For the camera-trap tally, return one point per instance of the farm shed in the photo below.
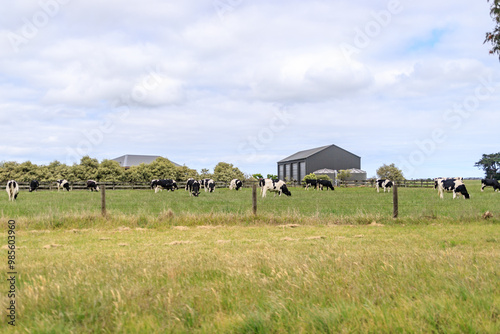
(129, 160)
(298, 165)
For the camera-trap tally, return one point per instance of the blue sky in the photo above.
(250, 82)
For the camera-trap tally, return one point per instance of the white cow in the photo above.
(235, 184)
(62, 184)
(276, 186)
(12, 189)
(383, 183)
(452, 184)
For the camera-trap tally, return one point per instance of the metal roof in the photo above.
(325, 171)
(129, 160)
(304, 154)
(307, 153)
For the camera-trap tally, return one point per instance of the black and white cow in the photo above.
(490, 183)
(154, 183)
(384, 183)
(92, 185)
(262, 182)
(209, 185)
(235, 184)
(168, 184)
(437, 180)
(452, 184)
(189, 184)
(12, 189)
(311, 183)
(276, 186)
(325, 183)
(195, 188)
(64, 184)
(203, 182)
(34, 184)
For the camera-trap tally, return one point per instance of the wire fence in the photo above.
(117, 185)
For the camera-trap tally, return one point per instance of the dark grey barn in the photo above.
(298, 165)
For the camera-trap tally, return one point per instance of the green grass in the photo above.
(260, 279)
(171, 263)
(144, 208)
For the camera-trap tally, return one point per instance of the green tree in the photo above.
(493, 37)
(58, 171)
(110, 170)
(205, 174)
(272, 176)
(86, 170)
(343, 175)
(490, 163)
(26, 172)
(183, 173)
(8, 170)
(390, 172)
(225, 172)
(257, 176)
(140, 173)
(162, 168)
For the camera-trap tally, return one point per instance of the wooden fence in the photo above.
(246, 184)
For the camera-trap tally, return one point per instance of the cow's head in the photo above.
(285, 190)
(462, 190)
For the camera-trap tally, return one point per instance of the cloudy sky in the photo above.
(250, 82)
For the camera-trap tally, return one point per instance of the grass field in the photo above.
(315, 262)
(144, 208)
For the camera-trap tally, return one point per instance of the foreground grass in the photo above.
(260, 279)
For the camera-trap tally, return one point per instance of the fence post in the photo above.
(103, 200)
(254, 199)
(395, 210)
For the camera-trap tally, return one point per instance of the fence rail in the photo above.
(247, 184)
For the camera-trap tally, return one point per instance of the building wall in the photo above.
(332, 158)
(293, 170)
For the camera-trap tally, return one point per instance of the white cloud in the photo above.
(197, 82)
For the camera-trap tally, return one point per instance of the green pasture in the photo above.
(344, 205)
(315, 262)
(440, 278)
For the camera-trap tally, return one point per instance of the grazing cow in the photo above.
(325, 183)
(235, 184)
(311, 183)
(195, 188)
(34, 184)
(209, 185)
(276, 186)
(12, 189)
(64, 184)
(92, 185)
(452, 184)
(490, 183)
(383, 183)
(189, 184)
(262, 182)
(437, 180)
(154, 183)
(168, 184)
(203, 182)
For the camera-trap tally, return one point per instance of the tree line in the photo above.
(111, 171)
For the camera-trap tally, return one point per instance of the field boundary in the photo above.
(117, 185)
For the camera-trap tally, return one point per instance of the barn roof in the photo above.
(307, 153)
(304, 154)
(129, 160)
